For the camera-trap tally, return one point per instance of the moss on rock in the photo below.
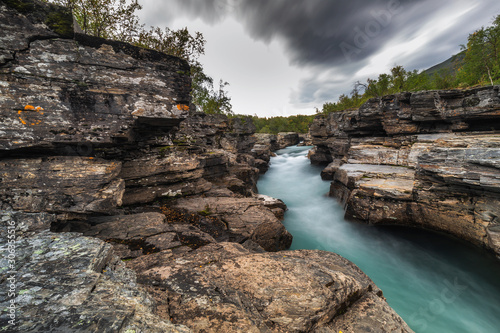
(59, 19)
(61, 22)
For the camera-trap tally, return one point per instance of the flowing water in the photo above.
(435, 283)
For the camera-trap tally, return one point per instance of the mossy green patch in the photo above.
(59, 19)
(61, 22)
(24, 7)
(206, 211)
(164, 150)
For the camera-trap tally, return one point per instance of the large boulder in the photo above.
(247, 217)
(225, 288)
(287, 139)
(61, 91)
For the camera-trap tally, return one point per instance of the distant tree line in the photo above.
(479, 64)
(275, 125)
(117, 20)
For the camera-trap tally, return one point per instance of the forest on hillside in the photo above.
(274, 125)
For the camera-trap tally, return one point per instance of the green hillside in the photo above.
(449, 66)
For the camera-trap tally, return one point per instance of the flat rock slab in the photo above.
(378, 170)
(468, 161)
(378, 180)
(400, 189)
(224, 288)
(23, 223)
(128, 226)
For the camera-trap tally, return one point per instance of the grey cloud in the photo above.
(315, 32)
(320, 32)
(325, 33)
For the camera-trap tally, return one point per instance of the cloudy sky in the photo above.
(285, 57)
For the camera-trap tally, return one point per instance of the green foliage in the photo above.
(482, 57)
(56, 18)
(397, 81)
(182, 44)
(275, 125)
(117, 19)
(112, 19)
(179, 43)
(210, 100)
(60, 22)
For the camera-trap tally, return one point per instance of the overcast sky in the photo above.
(285, 57)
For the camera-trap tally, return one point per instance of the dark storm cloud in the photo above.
(325, 32)
(328, 32)
(317, 32)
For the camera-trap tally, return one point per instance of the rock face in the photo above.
(428, 159)
(102, 161)
(58, 93)
(226, 288)
(68, 283)
(305, 139)
(287, 139)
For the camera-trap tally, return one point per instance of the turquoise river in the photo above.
(434, 282)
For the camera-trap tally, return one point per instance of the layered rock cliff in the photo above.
(425, 159)
(123, 210)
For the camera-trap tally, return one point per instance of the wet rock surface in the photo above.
(427, 159)
(105, 162)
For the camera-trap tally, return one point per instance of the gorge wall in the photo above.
(425, 159)
(124, 210)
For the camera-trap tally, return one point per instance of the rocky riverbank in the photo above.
(425, 159)
(123, 210)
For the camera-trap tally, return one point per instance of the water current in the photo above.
(434, 282)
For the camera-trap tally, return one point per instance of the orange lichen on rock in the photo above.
(28, 107)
